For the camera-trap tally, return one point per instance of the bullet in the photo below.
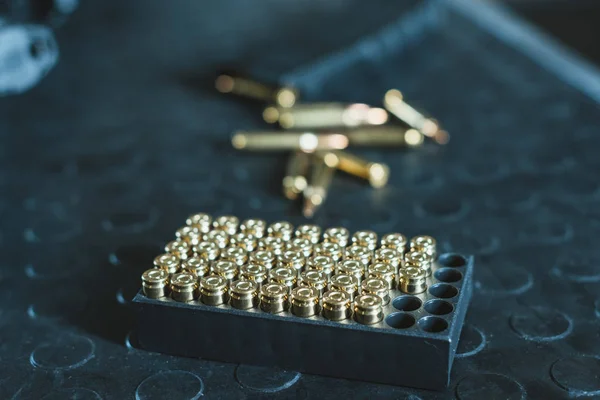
(315, 279)
(294, 181)
(378, 287)
(345, 283)
(253, 227)
(412, 280)
(226, 223)
(359, 253)
(351, 267)
(316, 191)
(281, 229)
(307, 142)
(255, 273)
(184, 287)
(329, 249)
(366, 239)
(395, 104)
(384, 136)
(283, 96)
(155, 283)
(285, 276)
(324, 264)
(266, 258)
(396, 241)
(246, 242)
(274, 298)
(200, 221)
(325, 115)
(274, 244)
(179, 249)
(225, 268)
(376, 173)
(197, 265)
(214, 290)
(424, 244)
(337, 305)
(419, 259)
(220, 238)
(310, 232)
(385, 272)
(168, 262)
(236, 254)
(368, 309)
(301, 245)
(208, 250)
(243, 295)
(292, 259)
(188, 234)
(337, 235)
(305, 302)
(389, 256)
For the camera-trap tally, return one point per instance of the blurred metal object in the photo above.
(395, 104)
(376, 173)
(366, 239)
(286, 276)
(307, 142)
(330, 249)
(197, 265)
(419, 259)
(325, 115)
(320, 179)
(282, 96)
(254, 227)
(227, 269)
(384, 136)
(200, 221)
(425, 244)
(396, 241)
(168, 262)
(266, 258)
(309, 231)
(207, 250)
(281, 229)
(256, 273)
(338, 235)
(226, 223)
(389, 256)
(315, 279)
(179, 249)
(294, 181)
(322, 263)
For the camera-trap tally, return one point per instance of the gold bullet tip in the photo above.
(271, 115)
(378, 175)
(224, 83)
(442, 137)
(239, 141)
(393, 96)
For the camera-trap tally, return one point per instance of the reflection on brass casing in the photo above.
(345, 283)
(301, 245)
(214, 290)
(419, 259)
(359, 253)
(368, 309)
(390, 256)
(266, 258)
(220, 238)
(236, 254)
(366, 239)
(200, 221)
(305, 301)
(285, 276)
(184, 286)
(337, 235)
(184, 233)
(283, 96)
(310, 232)
(243, 295)
(155, 283)
(281, 229)
(274, 298)
(376, 173)
(196, 265)
(292, 259)
(246, 242)
(378, 287)
(316, 192)
(273, 244)
(254, 227)
(324, 264)
(307, 142)
(424, 244)
(295, 179)
(315, 279)
(255, 273)
(168, 262)
(351, 267)
(396, 241)
(227, 223)
(384, 136)
(329, 249)
(225, 268)
(385, 272)
(412, 280)
(179, 249)
(208, 250)
(337, 305)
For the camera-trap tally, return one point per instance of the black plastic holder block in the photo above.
(413, 346)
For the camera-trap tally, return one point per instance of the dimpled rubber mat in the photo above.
(125, 138)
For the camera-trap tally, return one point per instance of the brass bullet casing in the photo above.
(273, 244)
(168, 262)
(281, 229)
(301, 245)
(179, 249)
(220, 238)
(266, 258)
(274, 298)
(376, 173)
(396, 241)
(214, 290)
(385, 272)
(184, 286)
(337, 235)
(200, 221)
(412, 280)
(189, 234)
(283, 96)
(227, 269)
(305, 302)
(384, 136)
(315, 279)
(285, 276)
(337, 305)
(243, 295)
(292, 259)
(368, 309)
(155, 283)
(391, 257)
(324, 264)
(310, 232)
(254, 273)
(419, 259)
(320, 178)
(424, 244)
(378, 287)
(395, 104)
(326, 115)
(208, 250)
(226, 223)
(352, 267)
(235, 254)
(196, 265)
(345, 283)
(329, 249)
(246, 242)
(254, 227)
(366, 239)
(306, 142)
(294, 182)
(359, 253)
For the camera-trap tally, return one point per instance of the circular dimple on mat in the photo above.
(483, 172)
(578, 187)
(438, 307)
(138, 256)
(549, 162)
(545, 231)
(63, 353)
(443, 290)
(132, 221)
(54, 262)
(472, 341)
(472, 243)
(578, 267)
(264, 379)
(580, 376)
(442, 207)
(509, 195)
(50, 228)
(72, 394)
(422, 179)
(448, 275)
(433, 324)
(540, 324)
(400, 320)
(174, 384)
(503, 281)
(407, 303)
(58, 304)
(489, 387)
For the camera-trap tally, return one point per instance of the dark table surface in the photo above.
(109, 154)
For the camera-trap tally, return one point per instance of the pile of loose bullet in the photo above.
(317, 134)
(280, 269)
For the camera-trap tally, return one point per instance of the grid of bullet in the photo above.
(318, 134)
(305, 270)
